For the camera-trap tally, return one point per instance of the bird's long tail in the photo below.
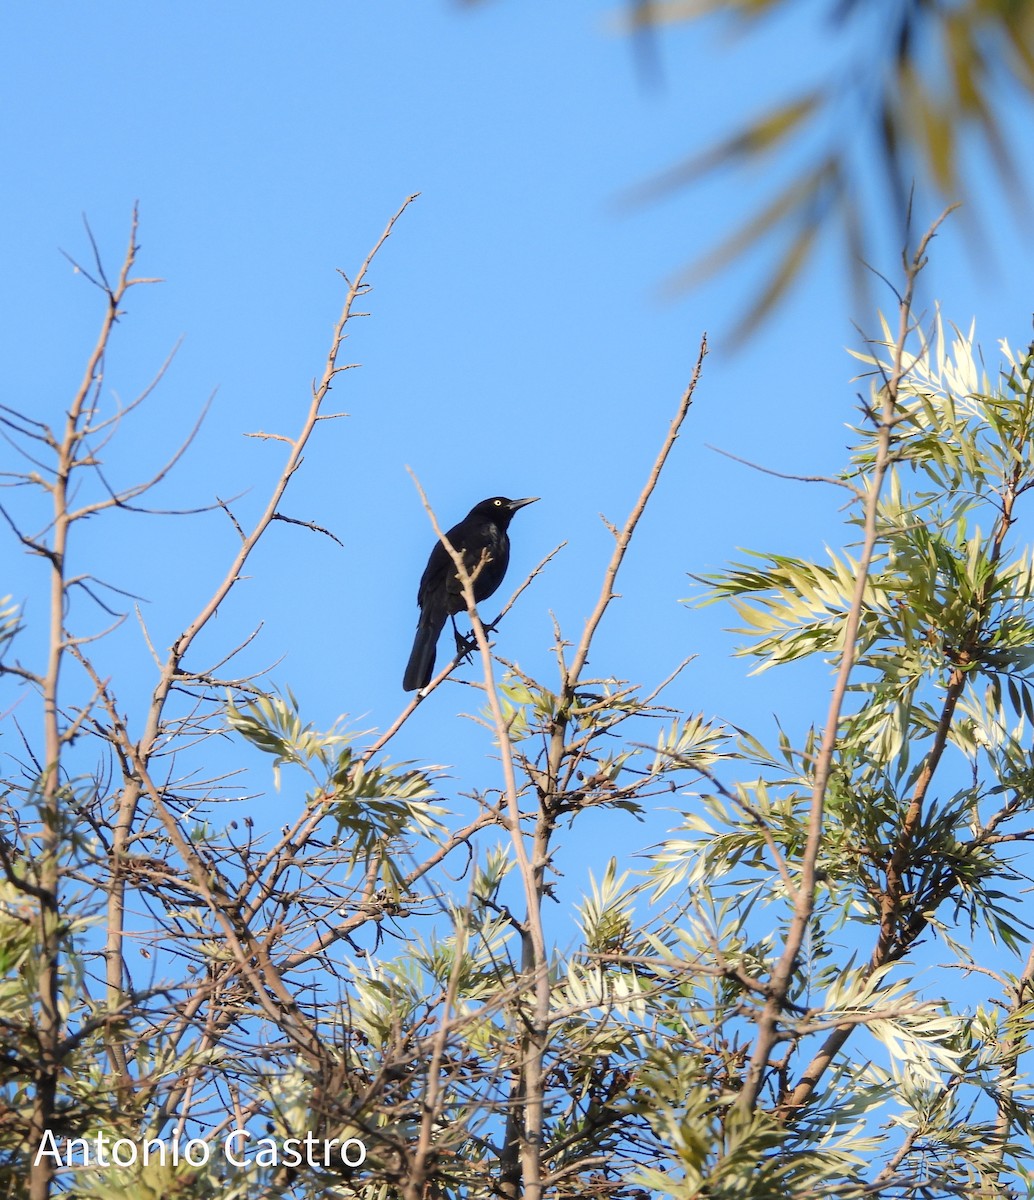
(420, 667)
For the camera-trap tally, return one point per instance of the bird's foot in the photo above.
(465, 646)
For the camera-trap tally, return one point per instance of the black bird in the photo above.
(482, 539)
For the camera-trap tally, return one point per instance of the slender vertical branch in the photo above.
(804, 899)
(48, 869)
(523, 1137)
(431, 1110)
(623, 537)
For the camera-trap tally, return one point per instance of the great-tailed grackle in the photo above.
(482, 539)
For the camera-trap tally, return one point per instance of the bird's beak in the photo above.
(516, 504)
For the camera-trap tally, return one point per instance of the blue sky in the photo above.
(516, 342)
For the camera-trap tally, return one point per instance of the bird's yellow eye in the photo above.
(497, 503)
